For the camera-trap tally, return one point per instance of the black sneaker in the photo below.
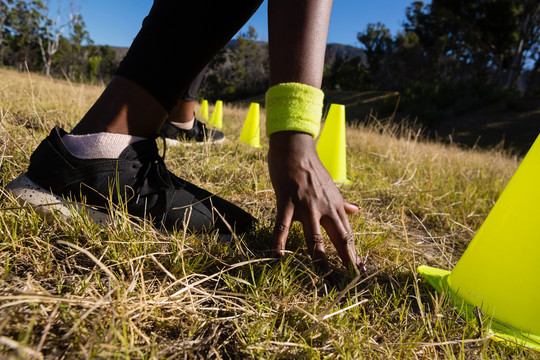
(199, 134)
(138, 180)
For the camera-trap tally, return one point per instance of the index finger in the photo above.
(281, 228)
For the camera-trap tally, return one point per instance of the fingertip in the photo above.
(351, 208)
(277, 253)
(281, 230)
(280, 238)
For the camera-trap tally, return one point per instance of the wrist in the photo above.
(291, 140)
(294, 107)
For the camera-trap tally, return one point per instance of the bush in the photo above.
(433, 102)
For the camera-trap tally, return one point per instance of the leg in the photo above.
(185, 107)
(123, 108)
(157, 66)
(182, 126)
(182, 113)
(133, 107)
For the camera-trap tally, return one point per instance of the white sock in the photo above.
(101, 145)
(185, 125)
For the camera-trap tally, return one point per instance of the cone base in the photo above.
(439, 280)
(343, 182)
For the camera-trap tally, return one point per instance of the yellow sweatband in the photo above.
(294, 107)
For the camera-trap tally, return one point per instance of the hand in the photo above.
(306, 192)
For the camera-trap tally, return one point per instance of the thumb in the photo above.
(351, 208)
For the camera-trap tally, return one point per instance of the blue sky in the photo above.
(116, 22)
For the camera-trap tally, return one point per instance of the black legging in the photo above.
(177, 40)
(193, 89)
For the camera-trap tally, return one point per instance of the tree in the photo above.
(18, 46)
(76, 56)
(108, 64)
(50, 32)
(93, 65)
(239, 70)
(346, 74)
(377, 42)
(30, 39)
(528, 47)
(488, 41)
(455, 55)
(248, 70)
(6, 6)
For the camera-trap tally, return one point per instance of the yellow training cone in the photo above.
(332, 147)
(251, 131)
(217, 115)
(204, 109)
(500, 270)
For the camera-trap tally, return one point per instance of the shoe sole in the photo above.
(47, 204)
(173, 142)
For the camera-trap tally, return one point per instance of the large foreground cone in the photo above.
(332, 148)
(217, 115)
(204, 109)
(500, 270)
(251, 131)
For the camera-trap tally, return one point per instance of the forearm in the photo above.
(298, 31)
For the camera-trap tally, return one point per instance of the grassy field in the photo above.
(72, 289)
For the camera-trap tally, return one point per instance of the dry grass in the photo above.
(76, 290)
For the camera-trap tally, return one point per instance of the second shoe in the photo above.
(199, 134)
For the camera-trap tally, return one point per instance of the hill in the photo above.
(333, 51)
(345, 52)
(512, 127)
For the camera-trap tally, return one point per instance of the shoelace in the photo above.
(154, 163)
(202, 129)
